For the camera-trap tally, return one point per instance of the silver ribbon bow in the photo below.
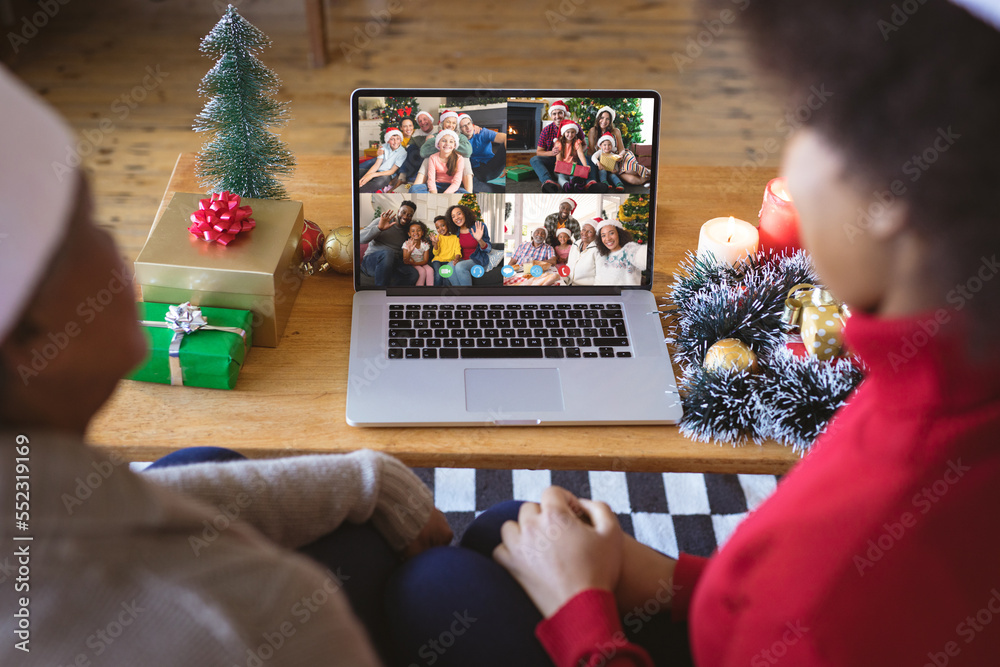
(185, 319)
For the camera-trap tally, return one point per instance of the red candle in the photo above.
(779, 221)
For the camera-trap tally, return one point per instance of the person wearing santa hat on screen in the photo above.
(193, 564)
(562, 218)
(425, 128)
(388, 163)
(544, 159)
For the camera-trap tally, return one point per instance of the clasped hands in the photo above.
(560, 547)
(565, 545)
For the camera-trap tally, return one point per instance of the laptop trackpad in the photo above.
(511, 390)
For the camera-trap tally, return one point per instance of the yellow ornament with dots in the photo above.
(339, 250)
(730, 354)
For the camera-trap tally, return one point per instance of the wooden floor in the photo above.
(133, 67)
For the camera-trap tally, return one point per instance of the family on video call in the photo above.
(453, 248)
(437, 149)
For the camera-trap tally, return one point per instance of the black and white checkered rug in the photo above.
(671, 512)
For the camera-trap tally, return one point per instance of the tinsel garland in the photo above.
(792, 398)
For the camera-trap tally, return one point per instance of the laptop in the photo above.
(503, 254)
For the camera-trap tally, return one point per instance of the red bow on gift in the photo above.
(221, 218)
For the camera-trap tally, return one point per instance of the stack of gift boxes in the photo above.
(214, 283)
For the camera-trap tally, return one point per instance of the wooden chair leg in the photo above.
(316, 24)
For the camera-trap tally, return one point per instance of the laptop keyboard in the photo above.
(507, 331)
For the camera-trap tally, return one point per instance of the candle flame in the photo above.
(731, 229)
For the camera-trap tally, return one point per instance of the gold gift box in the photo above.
(258, 271)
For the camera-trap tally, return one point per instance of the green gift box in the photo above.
(521, 172)
(207, 356)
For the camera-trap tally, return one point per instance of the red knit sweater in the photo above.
(881, 547)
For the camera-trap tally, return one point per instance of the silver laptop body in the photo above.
(623, 375)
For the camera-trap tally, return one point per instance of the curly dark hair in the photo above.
(470, 217)
(912, 98)
(624, 236)
(423, 229)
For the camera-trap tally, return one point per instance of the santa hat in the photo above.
(424, 113)
(464, 116)
(602, 110)
(558, 104)
(38, 187)
(987, 11)
(447, 114)
(445, 133)
(571, 202)
(392, 131)
(608, 223)
(595, 223)
(606, 137)
(563, 230)
(567, 124)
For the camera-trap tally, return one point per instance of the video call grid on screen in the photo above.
(532, 214)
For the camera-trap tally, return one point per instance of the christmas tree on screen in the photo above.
(634, 216)
(242, 156)
(395, 110)
(628, 115)
(469, 200)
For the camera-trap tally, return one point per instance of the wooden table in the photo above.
(290, 399)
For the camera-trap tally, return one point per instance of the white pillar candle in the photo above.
(729, 239)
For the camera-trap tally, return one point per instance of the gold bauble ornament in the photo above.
(339, 250)
(730, 354)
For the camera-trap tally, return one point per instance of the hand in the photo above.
(476, 129)
(436, 533)
(380, 152)
(387, 220)
(364, 179)
(478, 231)
(555, 555)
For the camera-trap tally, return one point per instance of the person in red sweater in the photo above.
(882, 546)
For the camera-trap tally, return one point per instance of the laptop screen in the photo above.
(474, 191)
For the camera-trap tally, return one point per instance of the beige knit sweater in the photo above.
(122, 570)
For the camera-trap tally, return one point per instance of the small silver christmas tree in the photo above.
(242, 156)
